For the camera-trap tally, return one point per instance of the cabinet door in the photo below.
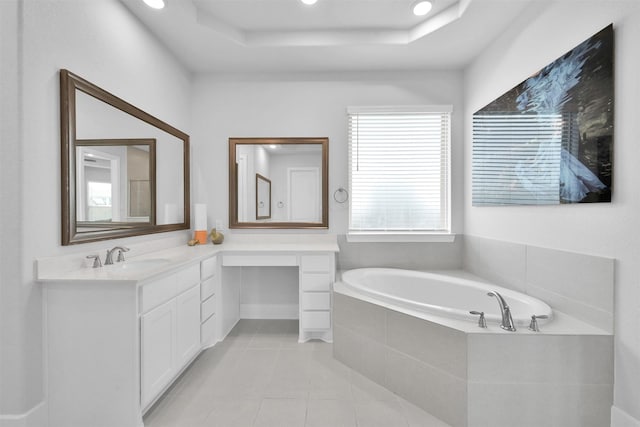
(157, 349)
(188, 325)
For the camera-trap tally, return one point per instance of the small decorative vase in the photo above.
(216, 237)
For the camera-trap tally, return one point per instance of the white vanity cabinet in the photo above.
(169, 329)
(116, 337)
(317, 274)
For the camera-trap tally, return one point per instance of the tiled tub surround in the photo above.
(576, 284)
(467, 376)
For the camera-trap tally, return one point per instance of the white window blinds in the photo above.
(399, 169)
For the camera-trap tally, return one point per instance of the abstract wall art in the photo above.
(549, 140)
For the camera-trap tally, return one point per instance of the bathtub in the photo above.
(447, 296)
(411, 332)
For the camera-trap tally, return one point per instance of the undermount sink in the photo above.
(140, 264)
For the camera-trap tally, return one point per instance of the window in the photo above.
(399, 169)
(99, 201)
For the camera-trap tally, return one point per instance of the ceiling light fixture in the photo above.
(421, 7)
(309, 2)
(156, 4)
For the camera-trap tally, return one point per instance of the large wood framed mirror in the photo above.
(124, 172)
(296, 170)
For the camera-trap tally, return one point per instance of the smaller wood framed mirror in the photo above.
(263, 197)
(291, 183)
(115, 183)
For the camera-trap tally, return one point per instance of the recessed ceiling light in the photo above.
(156, 4)
(422, 7)
(309, 2)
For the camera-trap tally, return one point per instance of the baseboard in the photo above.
(620, 418)
(268, 311)
(35, 417)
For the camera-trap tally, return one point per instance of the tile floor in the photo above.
(260, 376)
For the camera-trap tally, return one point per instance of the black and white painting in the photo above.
(549, 140)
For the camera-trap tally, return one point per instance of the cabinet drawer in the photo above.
(315, 320)
(315, 263)
(259, 260)
(154, 293)
(208, 267)
(188, 277)
(315, 301)
(208, 331)
(315, 281)
(208, 308)
(208, 288)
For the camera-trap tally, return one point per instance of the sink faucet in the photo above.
(507, 320)
(109, 259)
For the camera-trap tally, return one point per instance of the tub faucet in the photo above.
(109, 259)
(507, 320)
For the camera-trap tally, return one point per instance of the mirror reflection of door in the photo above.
(304, 194)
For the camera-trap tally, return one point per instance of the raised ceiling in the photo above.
(332, 35)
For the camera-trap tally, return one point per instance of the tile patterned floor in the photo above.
(259, 376)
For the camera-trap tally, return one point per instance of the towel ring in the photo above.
(341, 195)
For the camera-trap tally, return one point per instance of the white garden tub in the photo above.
(442, 295)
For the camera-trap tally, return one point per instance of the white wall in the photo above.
(100, 41)
(302, 106)
(306, 106)
(610, 230)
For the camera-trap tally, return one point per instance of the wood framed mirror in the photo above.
(263, 197)
(146, 188)
(115, 183)
(297, 171)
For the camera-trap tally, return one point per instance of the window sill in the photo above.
(401, 237)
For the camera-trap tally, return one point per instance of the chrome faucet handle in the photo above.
(109, 258)
(533, 326)
(96, 260)
(482, 323)
(121, 254)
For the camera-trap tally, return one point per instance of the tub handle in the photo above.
(482, 323)
(533, 326)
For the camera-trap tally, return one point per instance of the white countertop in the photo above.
(151, 264)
